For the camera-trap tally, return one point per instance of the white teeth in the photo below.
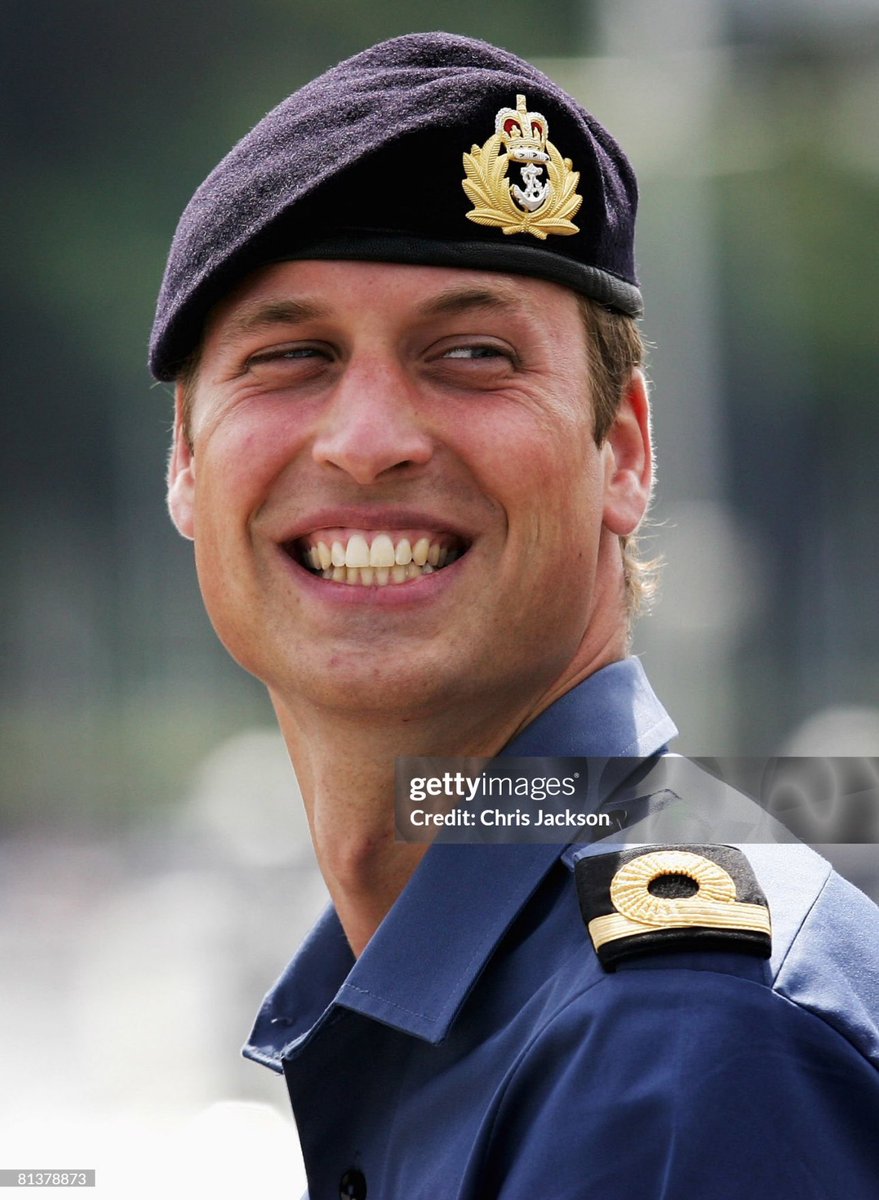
(357, 553)
(377, 576)
(379, 563)
(381, 552)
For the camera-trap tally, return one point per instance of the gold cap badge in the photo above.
(545, 198)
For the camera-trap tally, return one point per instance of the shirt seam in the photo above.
(802, 1006)
(783, 961)
(636, 741)
(412, 1012)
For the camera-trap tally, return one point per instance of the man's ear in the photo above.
(628, 480)
(181, 474)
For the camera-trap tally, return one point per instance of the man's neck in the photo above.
(345, 769)
(345, 764)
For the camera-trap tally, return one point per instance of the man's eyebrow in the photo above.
(265, 314)
(502, 297)
(262, 315)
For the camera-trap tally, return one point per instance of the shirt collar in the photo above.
(428, 952)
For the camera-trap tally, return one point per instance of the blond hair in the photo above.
(615, 348)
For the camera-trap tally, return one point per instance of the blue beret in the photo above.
(428, 148)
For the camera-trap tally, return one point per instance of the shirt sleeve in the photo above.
(670, 1083)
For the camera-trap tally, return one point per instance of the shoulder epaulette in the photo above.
(657, 899)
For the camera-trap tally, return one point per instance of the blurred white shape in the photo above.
(116, 1148)
(229, 1150)
(840, 731)
(169, 975)
(232, 1149)
(246, 801)
(131, 975)
(712, 581)
(152, 990)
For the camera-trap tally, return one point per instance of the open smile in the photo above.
(375, 558)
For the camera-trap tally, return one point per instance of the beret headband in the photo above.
(428, 148)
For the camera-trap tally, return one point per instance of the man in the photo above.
(412, 448)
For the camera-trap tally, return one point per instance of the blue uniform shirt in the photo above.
(477, 1049)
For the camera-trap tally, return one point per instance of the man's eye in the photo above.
(470, 352)
(285, 354)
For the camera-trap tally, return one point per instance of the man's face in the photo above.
(435, 417)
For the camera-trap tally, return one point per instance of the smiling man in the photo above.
(412, 449)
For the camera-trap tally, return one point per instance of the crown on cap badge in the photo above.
(545, 198)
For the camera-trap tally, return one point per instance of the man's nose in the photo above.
(371, 424)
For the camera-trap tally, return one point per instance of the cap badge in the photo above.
(544, 199)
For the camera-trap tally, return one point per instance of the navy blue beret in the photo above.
(428, 148)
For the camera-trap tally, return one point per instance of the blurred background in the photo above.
(154, 868)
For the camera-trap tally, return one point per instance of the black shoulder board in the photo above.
(655, 899)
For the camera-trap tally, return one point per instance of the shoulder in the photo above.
(818, 951)
(825, 942)
(824, 956)
(721, 1073)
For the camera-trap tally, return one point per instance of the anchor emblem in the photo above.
(547, 198)
(534, 195)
